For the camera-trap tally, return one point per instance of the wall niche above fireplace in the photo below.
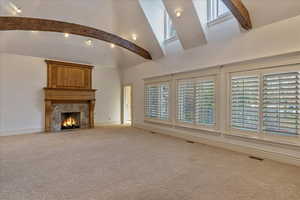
(68, 96)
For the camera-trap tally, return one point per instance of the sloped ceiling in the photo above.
(265, 12)
(130, 19)
(121, 17)
(54, 45)
(188, 26)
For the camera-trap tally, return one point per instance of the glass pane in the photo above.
(222, 8)
(170, 31)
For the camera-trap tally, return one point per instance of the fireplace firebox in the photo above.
(70, 120)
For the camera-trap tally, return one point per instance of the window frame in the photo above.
(213, 16)
(168, 27)
(243, 74)
(208, 74)
(159, 81)
(260, 134)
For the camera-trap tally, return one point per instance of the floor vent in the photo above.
(256, 158)
(191, 142)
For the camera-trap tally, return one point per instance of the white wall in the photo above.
(275, 39)
(272, 40)
(1, 89)
(108, 96)
(22, 79)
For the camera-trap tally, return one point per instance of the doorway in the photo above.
(127, 105)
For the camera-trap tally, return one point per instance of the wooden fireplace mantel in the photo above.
(68, 83)
(60, 94)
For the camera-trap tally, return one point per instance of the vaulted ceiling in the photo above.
(125, 18)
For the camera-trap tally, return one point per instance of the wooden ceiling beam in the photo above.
(240, 12)
(37, 24)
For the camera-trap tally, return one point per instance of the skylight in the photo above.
(169, 30)
(216, 9)
(159, 20)
(211, 11)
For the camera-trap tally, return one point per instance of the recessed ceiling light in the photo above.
(14, 9)
(112, 45)
(134, 37)
(66, 35)
(18, 10)
(178, 12)
(88, 42)
(33, 31)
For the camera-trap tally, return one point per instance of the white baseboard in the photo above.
(20, 131)
(281, 153)
(109, 123)
(39, 130)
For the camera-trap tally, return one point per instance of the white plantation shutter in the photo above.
(151, 101)
(156, 101)
(245, 103)
(196, 101)
(185, 101)
(205, 102)
(281, 103)
(164, 102)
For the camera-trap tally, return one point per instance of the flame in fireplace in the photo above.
(70, 121)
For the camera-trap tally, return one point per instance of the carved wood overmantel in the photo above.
(68, 83)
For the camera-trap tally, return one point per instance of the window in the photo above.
(216, 9)
(281, 103)
(169, 30)
(205, 102)
(245, 103)
(277, 106)
(185, 101)
(196, 101)
(157, 101)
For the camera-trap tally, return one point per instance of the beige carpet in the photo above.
(129, 164)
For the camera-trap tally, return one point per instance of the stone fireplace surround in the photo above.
(58, 101)
(58, 109)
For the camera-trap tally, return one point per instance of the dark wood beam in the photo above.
(240, 12)
(36, 24)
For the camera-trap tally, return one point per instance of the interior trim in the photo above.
(37, 24)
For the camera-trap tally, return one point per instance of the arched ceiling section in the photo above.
(35, 24)
(121, 17)
(94, 13)
(55, 46)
